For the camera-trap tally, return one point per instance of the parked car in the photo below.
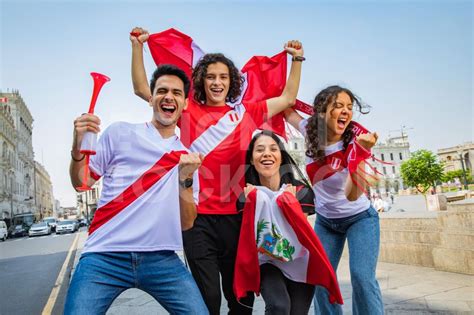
(3, 231)
(51, 222)
(41, 228)
(17, 231)
(66, 226)
(83, 222)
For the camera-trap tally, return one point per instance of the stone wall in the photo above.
(443, 240)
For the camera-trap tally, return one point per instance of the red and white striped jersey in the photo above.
(139, 206)
(222, 134)
(329, 178)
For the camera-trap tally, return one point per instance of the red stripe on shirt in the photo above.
(135, 190)
(94, 175)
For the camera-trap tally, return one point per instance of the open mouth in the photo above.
(217, 91)
(267, 163)
(168, 108)
(341, 123)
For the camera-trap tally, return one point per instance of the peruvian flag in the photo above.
(176, 48)
(3, 99)
(279, 233)
(266, 77)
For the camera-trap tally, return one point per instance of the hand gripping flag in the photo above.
(266, 77)
(350, 158)
(173, 47)
(288, 242)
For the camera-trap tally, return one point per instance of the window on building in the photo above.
(382, 157)
(393, 169)
(391, 156)
(296, 146)
(401, 156)
(384, 170)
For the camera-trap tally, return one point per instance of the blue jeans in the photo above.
(363, 235)
(101, 277)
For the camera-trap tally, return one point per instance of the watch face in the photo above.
(188, 182)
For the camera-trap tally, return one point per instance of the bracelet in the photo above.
(77, 160)
(298, 58)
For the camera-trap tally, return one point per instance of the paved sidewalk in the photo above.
(405, 289)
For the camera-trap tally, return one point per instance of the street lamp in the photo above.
(460, 152)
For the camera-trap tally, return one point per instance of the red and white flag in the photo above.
(283, 236)
(266, 77)
(173, 47)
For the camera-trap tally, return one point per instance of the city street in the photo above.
(29, 269)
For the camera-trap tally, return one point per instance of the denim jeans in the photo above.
(101, 277)
(363, 235)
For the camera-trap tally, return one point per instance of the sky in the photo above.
(411, 61)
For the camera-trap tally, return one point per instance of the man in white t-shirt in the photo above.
(148, 199)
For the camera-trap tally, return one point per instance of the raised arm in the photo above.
(82, 124)
(288, 97)
(140, 84)
(293, 118)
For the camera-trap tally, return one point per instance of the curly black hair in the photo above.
(200, 72)
(316, 127)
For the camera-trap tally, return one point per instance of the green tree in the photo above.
(451, 175)
(422, 170)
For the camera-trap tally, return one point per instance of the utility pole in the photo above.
(11, 198)
(460, 151)
(34, 186)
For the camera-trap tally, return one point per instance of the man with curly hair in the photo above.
(222, 131)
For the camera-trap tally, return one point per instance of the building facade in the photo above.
(7, 161)
(392, 152)
(17, 168)
(44, 200)
(87, 201)
(458, 157)
(296, 148)
(18, 186)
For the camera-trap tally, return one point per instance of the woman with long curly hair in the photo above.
(336, 149)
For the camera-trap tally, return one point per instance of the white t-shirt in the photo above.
(329, 183)
(138, 209)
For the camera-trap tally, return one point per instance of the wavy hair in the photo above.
(200, 72)
(316, 129)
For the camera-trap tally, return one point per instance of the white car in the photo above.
(67, 226)
(52, 223)
(41, 228)
(3, 231)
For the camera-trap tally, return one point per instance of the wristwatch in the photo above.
(298, 58)
(188, 182)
